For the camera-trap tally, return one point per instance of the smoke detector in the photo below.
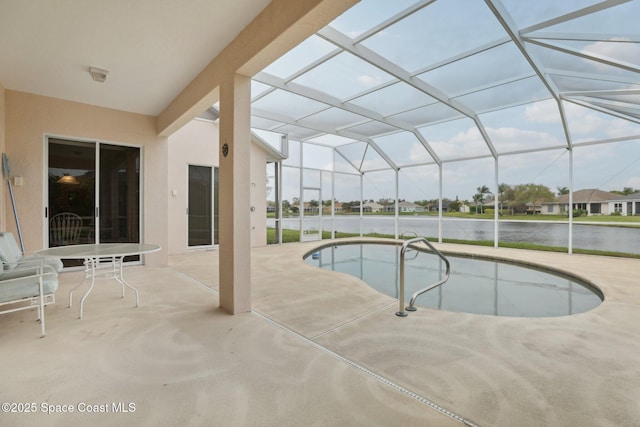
(98, 74)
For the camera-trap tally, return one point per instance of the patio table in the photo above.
(113, 253)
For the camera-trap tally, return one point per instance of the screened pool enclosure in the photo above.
(430, 100)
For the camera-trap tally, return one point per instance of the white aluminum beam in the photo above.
(501, 14)
(590, 56)
(392, 20)
(369, 56)
(600, 109)
(574, 15)
(337, 103)
(584, 37)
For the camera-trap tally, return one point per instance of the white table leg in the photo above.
(119, 276)
(84, 280)
(93, 262)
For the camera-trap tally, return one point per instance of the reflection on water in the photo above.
(616, 239)
(475, 286)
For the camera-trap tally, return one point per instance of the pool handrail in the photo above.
(416, 294)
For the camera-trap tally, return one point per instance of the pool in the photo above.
(477, 286)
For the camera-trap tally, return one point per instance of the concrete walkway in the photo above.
(322, 348)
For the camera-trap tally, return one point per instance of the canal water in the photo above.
(599, 237)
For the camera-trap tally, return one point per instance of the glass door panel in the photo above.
(71, 210)
(119, 194)
(200, 209)
(119, 187)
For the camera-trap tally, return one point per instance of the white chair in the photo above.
(26, 282)
(12, 256)
(65, 229)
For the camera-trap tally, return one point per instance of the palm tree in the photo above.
(562, 191)
(479, 197)
(504, 194)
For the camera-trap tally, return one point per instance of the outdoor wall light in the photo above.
(98, 74)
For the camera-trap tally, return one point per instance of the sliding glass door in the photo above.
(77, 172)
(202, 206)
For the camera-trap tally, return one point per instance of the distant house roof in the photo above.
(408, 205)
(634, 196)
(587, 196)
(371, 205)
(374, 205)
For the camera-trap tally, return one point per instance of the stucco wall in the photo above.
(258, 196)
(194, 144)
(197, 143)
(2, 149)
(30, 118)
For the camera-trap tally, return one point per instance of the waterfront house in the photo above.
(592, 201)
(626, 205)
(371, 207)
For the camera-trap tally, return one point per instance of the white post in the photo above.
(333, 195)
(278, 177)
(496, 235)
(301, 200)
(361, 201)
(440, 203)
(570, 201)
(396, 215)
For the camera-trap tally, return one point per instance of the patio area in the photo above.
(321, 348)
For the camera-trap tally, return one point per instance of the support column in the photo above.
(235, 224)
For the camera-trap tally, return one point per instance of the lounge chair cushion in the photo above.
(7, 253)
(11, 255)
(16, 288)
(56, 263)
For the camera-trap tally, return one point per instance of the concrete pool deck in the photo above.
(322, 348)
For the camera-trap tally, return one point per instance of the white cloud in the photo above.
(617, 49)
(508, 139)
(369, 81)
(633, 182)
(592, 125)
(419, 154)
(465, 143)
(543, 112)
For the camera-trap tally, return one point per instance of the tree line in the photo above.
(516, 198)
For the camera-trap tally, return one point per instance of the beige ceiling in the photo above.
(151, 48)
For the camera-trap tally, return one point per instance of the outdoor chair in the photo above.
(11, 255)
(26, 281)
(65, 229)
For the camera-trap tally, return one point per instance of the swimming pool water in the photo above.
(474, 286)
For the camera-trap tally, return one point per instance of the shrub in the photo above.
(579, 212)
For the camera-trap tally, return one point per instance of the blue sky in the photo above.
(464, 55)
